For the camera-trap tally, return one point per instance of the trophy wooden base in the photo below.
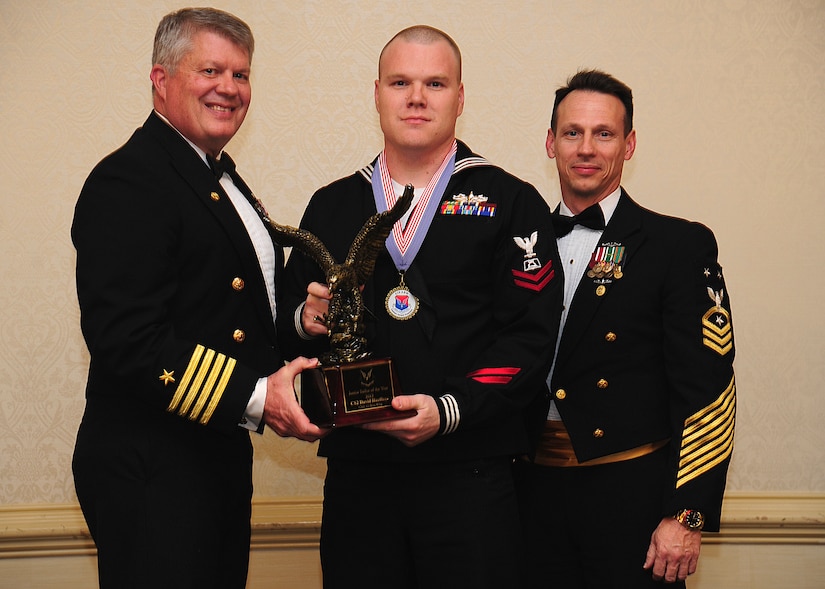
(351, 394)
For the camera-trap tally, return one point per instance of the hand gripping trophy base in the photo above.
(351, 394)
(348, 388)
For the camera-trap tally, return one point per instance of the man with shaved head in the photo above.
(464, 299)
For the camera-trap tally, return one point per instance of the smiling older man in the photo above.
(176, 277)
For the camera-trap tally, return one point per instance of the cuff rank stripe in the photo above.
(707, 439)
(298, 321)
(202, 386)
(501, 375)
(452, 416)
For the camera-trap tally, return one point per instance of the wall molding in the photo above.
(286, 523)
(295, 522)
(771, 518)
(35, 530)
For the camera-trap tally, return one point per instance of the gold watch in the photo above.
(692, 519)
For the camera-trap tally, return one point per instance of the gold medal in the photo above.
(401, 304)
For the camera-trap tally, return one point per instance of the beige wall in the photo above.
(730, 99)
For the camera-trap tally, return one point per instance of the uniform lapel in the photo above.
(207, 189)
(624, 229)
(279, 252)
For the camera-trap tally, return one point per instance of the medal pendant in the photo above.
(401, 304)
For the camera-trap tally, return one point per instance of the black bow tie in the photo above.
(218, 167)
(591, 217)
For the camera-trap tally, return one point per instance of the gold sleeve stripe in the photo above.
(695, 435)
(208, 387)
(718, 455)
(706, 435)
(707, 439)
(197, 382)
(202, 385)
(216, 397)
(187, 376)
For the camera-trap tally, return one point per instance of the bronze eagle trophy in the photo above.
(349, 387)
(345, 316)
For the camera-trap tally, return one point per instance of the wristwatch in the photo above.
(690, 518)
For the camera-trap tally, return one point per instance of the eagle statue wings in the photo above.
(344, 318)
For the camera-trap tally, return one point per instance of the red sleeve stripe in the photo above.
(493, 379)
(502, 375)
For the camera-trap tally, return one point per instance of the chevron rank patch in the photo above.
(716, 329)
(533, 276)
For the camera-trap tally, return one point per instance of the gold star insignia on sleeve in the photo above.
(167, 377)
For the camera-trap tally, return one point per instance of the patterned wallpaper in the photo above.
(731, 132)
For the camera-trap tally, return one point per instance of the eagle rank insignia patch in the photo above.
(716, 330)
(531, 262)
(533, 276)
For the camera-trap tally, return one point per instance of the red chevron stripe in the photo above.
(534, 277)
(533, 286)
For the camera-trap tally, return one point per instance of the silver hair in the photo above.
(173, 38)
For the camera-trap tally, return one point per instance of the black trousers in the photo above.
(589, 527)
(422, 526)
(168, 502)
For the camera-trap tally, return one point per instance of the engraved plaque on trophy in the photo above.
(349, 394)
(349, 387)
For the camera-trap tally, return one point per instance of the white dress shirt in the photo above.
(575, 251)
